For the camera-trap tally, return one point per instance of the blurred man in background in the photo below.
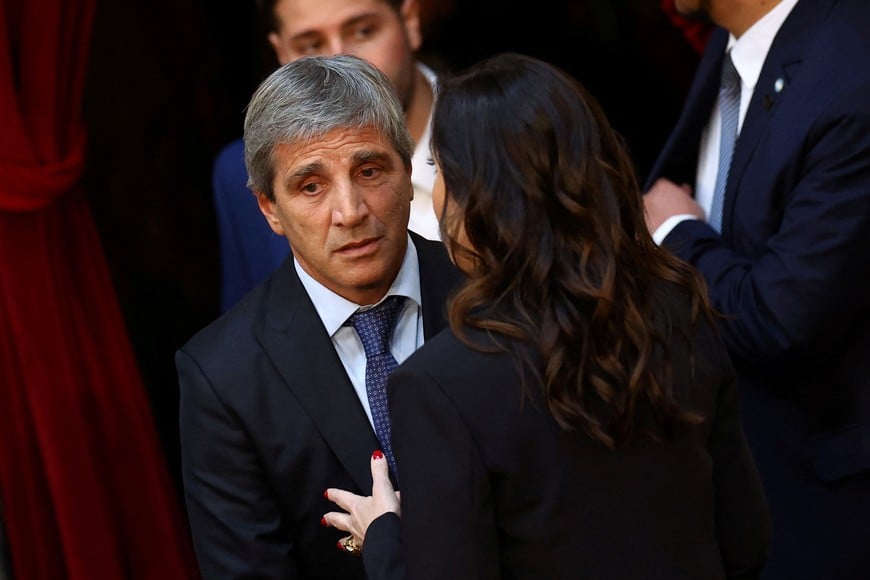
(764, 186)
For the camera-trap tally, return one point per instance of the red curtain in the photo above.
(84, 486)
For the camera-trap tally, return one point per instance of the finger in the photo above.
(342, 498)
(383, 492)
(338, 520)
(380, 474)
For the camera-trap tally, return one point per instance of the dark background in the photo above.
(167, 87)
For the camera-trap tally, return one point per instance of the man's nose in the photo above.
(336, 46)
(350, 205)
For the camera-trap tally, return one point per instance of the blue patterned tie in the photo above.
(374, 327)
(729, 109)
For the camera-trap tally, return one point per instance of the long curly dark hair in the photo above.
(543, 204)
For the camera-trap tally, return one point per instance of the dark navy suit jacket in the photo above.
(249, 249)
(269, 420)
(792, 271)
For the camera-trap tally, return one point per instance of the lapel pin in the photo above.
(778, 85)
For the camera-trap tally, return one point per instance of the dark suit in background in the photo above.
(269, 420)
(494, 488)
(249, 249)
(792, 269)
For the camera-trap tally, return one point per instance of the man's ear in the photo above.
(411, 17)
(267, 208)
(279, 48)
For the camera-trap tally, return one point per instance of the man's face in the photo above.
(343, 203)
(369, 29)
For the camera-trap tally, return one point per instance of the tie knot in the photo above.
(375, 325)
(730, 77)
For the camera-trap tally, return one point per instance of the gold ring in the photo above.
(349, 545)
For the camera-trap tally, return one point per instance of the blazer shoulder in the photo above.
(230, 159)
(673, 316)
(697, 351)
(448, 360)
(226, 337)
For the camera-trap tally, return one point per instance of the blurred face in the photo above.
(439, 194)
(369, 29)
(343, 203)
(735, 16)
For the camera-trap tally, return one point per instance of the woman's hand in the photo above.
(363, 510)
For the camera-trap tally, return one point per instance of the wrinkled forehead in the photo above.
(340, 147)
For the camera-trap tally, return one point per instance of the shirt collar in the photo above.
(749, 52)
(334, 310)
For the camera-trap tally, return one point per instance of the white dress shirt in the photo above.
(335, 310)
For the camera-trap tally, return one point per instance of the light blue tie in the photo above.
(374, 327)
(729, 110)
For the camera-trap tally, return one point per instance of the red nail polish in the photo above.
(323, 523)
(377, 454)
(339, 546)
(326, 493)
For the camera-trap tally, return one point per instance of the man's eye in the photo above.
(369, 172)
(364, 32)
(310, 188)
(313, 47)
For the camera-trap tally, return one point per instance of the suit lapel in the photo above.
(679, 158)
(781, 67)
(294, 338)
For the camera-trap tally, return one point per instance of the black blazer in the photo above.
(269, 420)
(792, 270)
(493, 488)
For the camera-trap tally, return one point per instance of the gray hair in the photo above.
(309, 97)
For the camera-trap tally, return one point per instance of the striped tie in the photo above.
(729, 109)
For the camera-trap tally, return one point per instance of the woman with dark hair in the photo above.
(579, 418)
